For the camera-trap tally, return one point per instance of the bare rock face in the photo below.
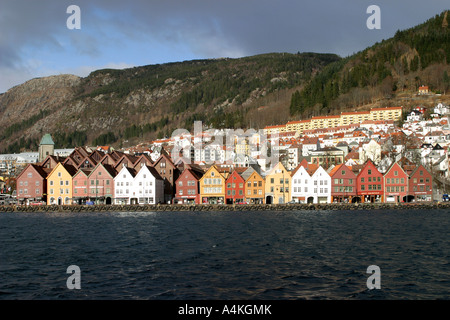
(40, 94)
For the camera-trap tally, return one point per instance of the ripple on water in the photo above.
(225, 255)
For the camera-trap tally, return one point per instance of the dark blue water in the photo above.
(226, 255)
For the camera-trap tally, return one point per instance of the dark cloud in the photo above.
(206, 28)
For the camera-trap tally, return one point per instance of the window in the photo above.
(362, 179)
(30, 175)
(369, 171)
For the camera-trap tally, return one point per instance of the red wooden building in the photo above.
(32, 184)
(343, 184)
(235, 187)
(420, 185)
(395, 184)
(187, 187)
(370, 183)
(101, 184)
(80, 192)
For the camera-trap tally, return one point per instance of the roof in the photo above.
(47, 140)
(335, 169)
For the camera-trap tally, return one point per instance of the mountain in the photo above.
(125, 106)
(385, 73)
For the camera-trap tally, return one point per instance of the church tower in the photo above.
(46, 147)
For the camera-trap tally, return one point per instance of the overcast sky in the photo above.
(35, 40)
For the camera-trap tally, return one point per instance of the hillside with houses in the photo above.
(398, 160)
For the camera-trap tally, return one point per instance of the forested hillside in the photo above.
(123, 107)
(413, 57)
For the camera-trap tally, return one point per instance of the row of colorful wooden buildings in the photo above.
(96, 177)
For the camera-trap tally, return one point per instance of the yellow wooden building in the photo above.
(212, 186)
(278, 182)
(59, 184)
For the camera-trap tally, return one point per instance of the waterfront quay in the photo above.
(224, 207)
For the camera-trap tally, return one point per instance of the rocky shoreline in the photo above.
(248, 207)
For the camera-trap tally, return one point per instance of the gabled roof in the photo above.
(194, 173)
(393, 165)
(166, 157)
(109, 168)
(69, 168)
(304, 166)
(335, 169)
(417, 168)
(247, 173)
(42, 171)
(82, 171)
(131, 171)
(152, 170)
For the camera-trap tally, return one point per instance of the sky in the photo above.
(35, 40)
